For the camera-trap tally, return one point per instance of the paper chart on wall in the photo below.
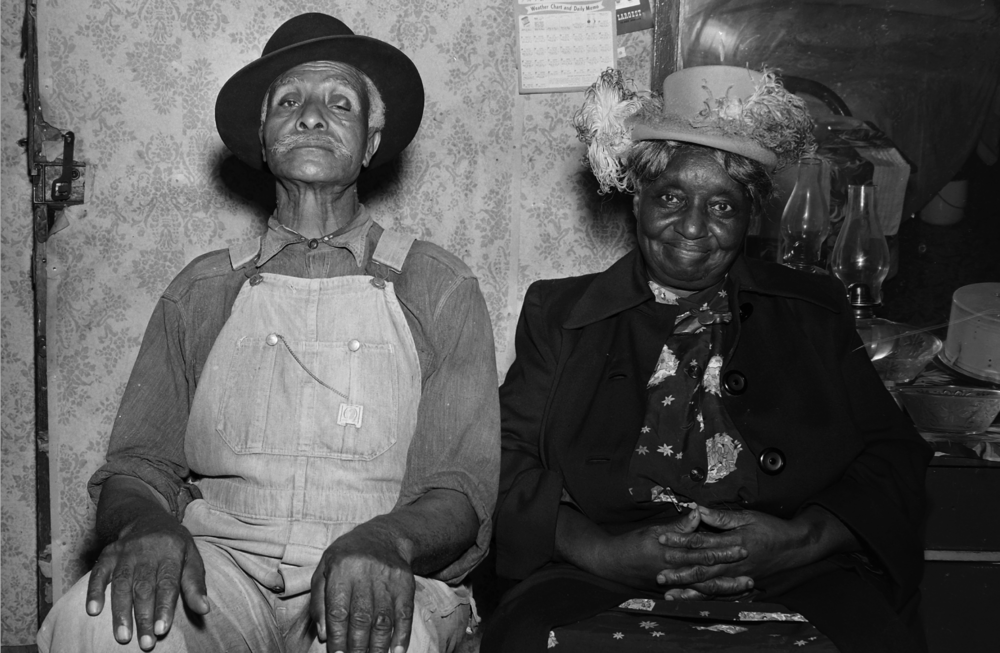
(563, 46)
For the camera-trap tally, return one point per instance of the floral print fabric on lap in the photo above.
(688, 451)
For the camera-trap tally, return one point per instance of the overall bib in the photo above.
(301, 423)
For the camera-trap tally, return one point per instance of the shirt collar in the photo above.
(353, 237)
(624, 285)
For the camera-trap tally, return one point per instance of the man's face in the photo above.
(316, 128)
(691, 222)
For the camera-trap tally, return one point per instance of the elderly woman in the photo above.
(693, 426)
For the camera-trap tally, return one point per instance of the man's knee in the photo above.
(68, 627)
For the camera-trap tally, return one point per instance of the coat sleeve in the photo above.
(530, 492)
(881, 495)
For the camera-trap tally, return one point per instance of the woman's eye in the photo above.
(669, 198)
(288, 102)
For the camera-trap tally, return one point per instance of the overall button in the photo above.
(735, 382)
(697, 474)
(271, 339)
(746, 310)
(313, 244)
(772, 461)
(354, 345)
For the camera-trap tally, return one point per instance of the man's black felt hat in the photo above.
(318, 37)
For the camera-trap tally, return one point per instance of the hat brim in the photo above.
(674, 128)
(237, 109)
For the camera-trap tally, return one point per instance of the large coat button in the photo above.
(697, 474)
(734, 382)
(746, 310)
(772, 461)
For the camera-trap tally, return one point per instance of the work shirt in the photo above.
(455, 445)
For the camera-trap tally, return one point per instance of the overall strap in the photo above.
(392, 249)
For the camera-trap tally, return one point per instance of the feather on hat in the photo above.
(725, 107)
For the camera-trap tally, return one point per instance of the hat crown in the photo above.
(686, 91)
(305, 27)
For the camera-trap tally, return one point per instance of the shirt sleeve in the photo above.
(147, 439)
(881, 495)
(455, 445)
(528, 502)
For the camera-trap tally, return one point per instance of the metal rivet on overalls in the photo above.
(272, 339)
(354, 345)
(313, 244)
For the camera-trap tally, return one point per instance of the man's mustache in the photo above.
(290, 141)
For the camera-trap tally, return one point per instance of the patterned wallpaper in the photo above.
(492, 176)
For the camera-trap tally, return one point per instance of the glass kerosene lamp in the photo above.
(860, 259)
(805, 222)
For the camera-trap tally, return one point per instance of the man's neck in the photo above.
(314, 211)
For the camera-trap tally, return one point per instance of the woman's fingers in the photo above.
(725, 519)
(706, 586)
(685, 594)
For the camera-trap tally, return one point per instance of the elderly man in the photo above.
(307, 450)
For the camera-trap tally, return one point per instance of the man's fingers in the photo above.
(336, 614)
(403, 618)
(317, 604)
(167, 588)
(360, 621)
(381, 630)
(192, 584)
(144, 604)
(100, 576)
(121, 603)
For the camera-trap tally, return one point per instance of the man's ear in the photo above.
(374, 139)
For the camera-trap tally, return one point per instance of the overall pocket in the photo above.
(320, 399)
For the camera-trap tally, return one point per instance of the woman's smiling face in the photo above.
(691, 221)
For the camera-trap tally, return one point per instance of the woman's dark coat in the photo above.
(796, 383)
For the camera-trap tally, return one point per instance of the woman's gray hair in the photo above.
(644, 161)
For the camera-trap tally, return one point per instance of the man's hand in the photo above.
(362, 594)
(153, 561)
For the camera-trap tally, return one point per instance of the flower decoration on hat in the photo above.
(761, 121)
(600, 123)
(773, 117)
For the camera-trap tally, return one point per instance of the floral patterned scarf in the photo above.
(688, 450)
